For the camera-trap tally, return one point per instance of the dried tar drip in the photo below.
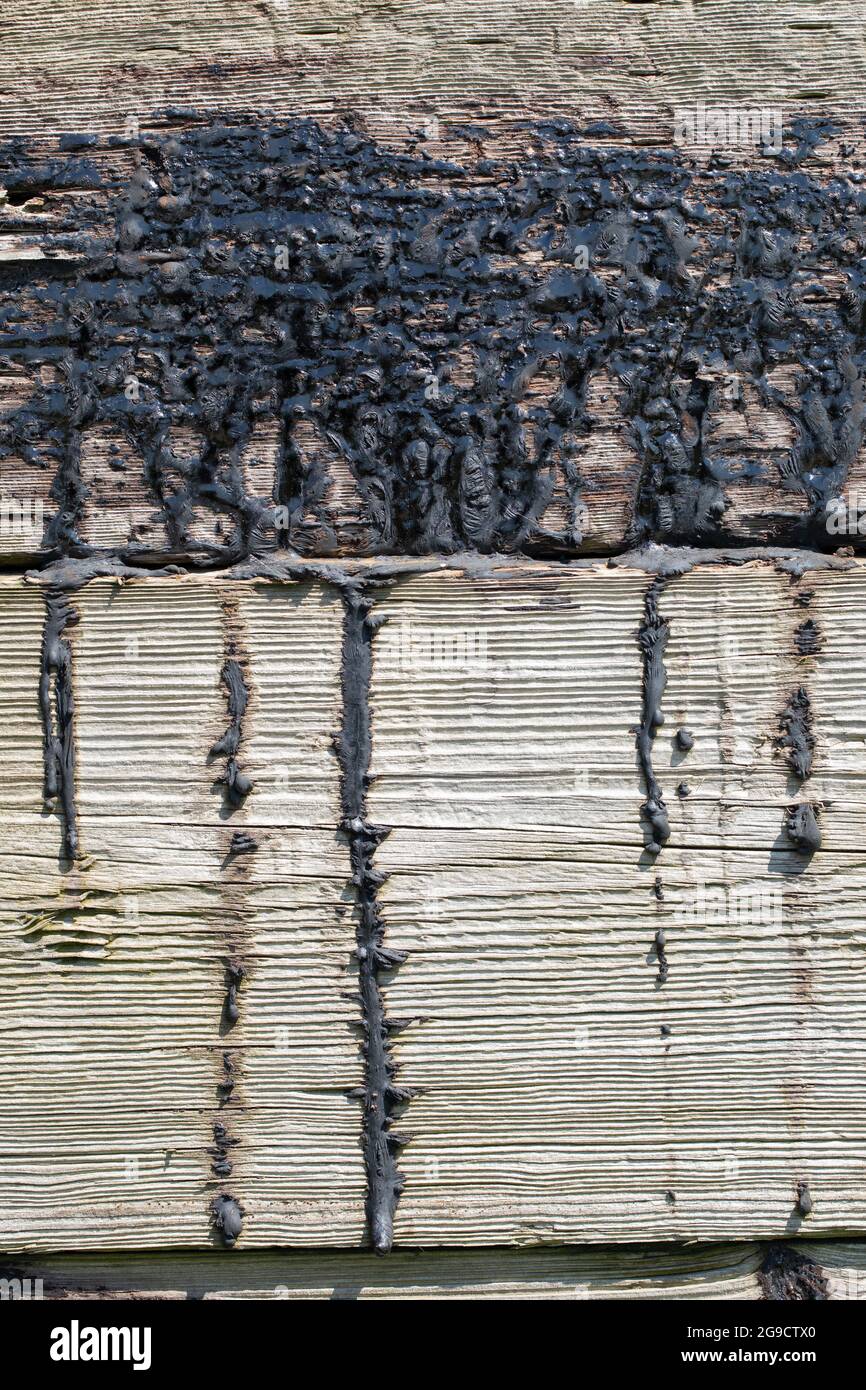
(237, 784)
(802, 827)
(798, 743)
(380, 1095)
(788, 1276)
(652, 637)
(235, 975)
(227, 1215)
(429, 329)
(796, 738)
(57, 707)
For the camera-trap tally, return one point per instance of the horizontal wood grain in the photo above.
(549, 1106)
(695, 1272)
(113, 1050)
(98, 62)
(552, 1105)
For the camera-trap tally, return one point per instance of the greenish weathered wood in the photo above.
(577, 1272)
(695, 1272)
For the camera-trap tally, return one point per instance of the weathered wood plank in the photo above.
(579, 1074)
(118, 1046)
(574, 1076)
(465, 286)
(432, 353)
(499, 321)
(91, 64)
(696, 1272)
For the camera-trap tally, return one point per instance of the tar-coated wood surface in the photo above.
(579, 1083)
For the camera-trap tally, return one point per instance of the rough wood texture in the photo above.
(92, 62)
(700, 378)
(231, 339)
(705, 1272)
(576, 1076)
(114, 1049)
(631, 1006)
(553, 1103)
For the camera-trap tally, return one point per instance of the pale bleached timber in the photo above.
(94, 64)
(703, 1272)
(113, 1047)
(551, 1108)
(552, 1105)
